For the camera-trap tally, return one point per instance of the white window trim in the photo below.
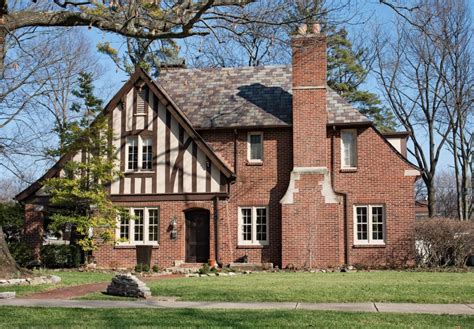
(354, 135)
(131, 229)
(254, 133)
(140, 143)
(254, 241)
(370, 241)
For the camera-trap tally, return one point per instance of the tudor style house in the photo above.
(263, 163)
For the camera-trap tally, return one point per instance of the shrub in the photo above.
(443, 242)
(155, 268)
(60, 256)
(138, 268)
(145, 268)
(21, 252)
(205, 269)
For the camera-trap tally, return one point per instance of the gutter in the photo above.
(344, 196)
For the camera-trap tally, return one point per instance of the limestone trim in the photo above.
(326, 188)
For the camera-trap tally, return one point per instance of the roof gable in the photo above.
(138, 77)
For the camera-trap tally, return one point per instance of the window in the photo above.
(253, 226)
(132, 147)
(139, 148)
(147, 154)
(349, 148)
(143, 227)
(255, 147)
(138, 217)
(369, 224)
(141, 101)
(153, 225)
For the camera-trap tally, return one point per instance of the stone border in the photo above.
(34, 281)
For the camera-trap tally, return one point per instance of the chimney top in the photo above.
(314, 28)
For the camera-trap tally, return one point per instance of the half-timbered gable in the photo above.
(158, 150)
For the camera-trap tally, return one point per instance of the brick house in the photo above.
(263, 163)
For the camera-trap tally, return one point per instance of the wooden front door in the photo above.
(197, 236)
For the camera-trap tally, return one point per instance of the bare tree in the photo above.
(41, 73)
(408, 71)
(456, 37)
(447, 27)
(153, 20)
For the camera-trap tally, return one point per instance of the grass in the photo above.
(68, 278)
(387, 286)
(12, 317)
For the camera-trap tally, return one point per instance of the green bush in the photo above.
(205, 269)
(21, 252)
(60, 256)
(138, 268)
(155, 268)
(145, 268)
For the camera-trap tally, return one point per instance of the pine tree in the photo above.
(346, 74)
(80, 195)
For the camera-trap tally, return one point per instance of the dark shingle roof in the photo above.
(244, 96)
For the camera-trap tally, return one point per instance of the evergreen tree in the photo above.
(80, 195)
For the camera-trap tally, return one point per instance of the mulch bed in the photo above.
(84, 289)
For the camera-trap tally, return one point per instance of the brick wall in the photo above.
(379, 179)
(256, 185)
(34, 229)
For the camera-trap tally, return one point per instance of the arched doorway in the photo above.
(197, 236)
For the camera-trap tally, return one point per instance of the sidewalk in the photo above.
(467, 309)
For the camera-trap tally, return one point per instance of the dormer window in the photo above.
(349, 149)
(255, 147)
(141, 102)
(139, 153)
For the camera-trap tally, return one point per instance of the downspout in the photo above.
(216, 230)
(235, 151)
(344, 196)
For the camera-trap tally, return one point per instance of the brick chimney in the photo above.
(310, 208)
(309, 97)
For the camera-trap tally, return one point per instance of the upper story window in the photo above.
(132, 148)
(253, 226)
(369, 224)
(141, 101)
(142, 226)
(349, 149)
(147, 154)
(139, 153)
(255, 147)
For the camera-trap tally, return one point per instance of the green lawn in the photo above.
(68, 278)
(12, 317)
(388, 286)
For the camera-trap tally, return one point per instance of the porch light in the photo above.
(174, 228)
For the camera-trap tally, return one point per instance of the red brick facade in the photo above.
(310, 200)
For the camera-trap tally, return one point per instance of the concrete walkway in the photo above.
(467, 309)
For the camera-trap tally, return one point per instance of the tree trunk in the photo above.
(3, 37)
(8, 266)
(431, 198)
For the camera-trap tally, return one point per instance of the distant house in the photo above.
(421, 209)
(263, 163)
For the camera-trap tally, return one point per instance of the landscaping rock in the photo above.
(55, 279)
(128, 286)
(7, 295)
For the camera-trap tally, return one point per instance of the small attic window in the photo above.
(141, 101)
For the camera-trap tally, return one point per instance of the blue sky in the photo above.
(369, 14)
